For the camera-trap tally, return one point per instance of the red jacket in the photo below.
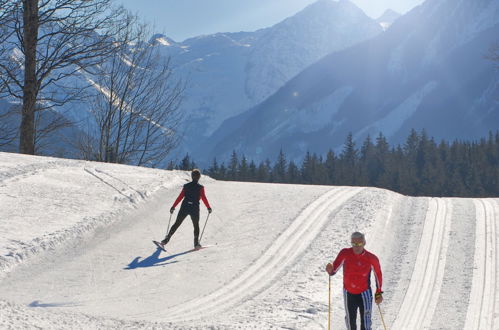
(357, 270)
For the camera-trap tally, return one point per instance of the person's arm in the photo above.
(205, 200)
(337, 263)
(378, 296)
(377, 273)
(179, 198)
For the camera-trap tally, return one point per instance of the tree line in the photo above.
(418, 167)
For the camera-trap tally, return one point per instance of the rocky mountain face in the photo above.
(427, 71)
(227, 73)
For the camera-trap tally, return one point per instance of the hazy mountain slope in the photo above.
(228, 73)
(427, 71)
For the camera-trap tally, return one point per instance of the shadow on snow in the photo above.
(37, 303)
(154, 260)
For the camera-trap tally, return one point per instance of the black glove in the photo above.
(172, 210)
(210, 210)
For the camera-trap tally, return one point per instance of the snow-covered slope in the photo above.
(75, 242)
(427, 71)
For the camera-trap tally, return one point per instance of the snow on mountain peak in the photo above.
(387, 19)
(161, 39)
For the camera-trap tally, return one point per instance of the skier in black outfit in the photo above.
(191, 193)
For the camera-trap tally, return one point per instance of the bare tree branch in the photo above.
(47, 48)
(47, 122)
(9, 118)
(137, 112)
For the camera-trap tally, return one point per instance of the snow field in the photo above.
(422, 295)
(292, 242)
(482, 311)
(47, 201)
(76, 252)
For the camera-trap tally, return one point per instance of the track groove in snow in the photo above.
(482, 308)
(286, 248)
(26, 170)
(423, 293)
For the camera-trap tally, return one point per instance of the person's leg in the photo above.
(180, 218)
(366, 310)
(351, 305)
(195, 223)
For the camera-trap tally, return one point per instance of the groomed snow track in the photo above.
(288, 239)
(286, 249)
(482, 308)
(422, 295)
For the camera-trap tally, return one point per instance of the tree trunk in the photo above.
(30, 31)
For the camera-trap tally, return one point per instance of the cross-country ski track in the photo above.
(482, 313)
(85, 259)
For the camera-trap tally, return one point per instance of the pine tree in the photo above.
(222, 172)
(307, 169)
(409, 183)
(244, 170)
(252, 172)
(213, 170)
(263, 173)
(348, 162)
(280, 168)
(293, 175)
(186, 164)
(330, 166)
(383, 160)
(368, 167)
(232, 171)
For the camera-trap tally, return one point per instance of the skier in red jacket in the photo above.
(191, 194)
(357, 265)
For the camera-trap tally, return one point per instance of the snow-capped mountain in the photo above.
(429, 70)
(227, 73)
(387, 19)
(290, 46)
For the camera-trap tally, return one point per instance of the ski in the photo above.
(158, 244)
(202, 247)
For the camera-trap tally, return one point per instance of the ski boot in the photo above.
(197, 246)
(165, 241)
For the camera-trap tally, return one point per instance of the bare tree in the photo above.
(50, 44)
(8, 132)
(137, 111)
(6, 13)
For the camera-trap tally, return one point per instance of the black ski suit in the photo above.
(191, 194)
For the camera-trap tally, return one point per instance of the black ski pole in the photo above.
(169, 220)
(204, 228)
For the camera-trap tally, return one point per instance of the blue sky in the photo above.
(181, 19)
